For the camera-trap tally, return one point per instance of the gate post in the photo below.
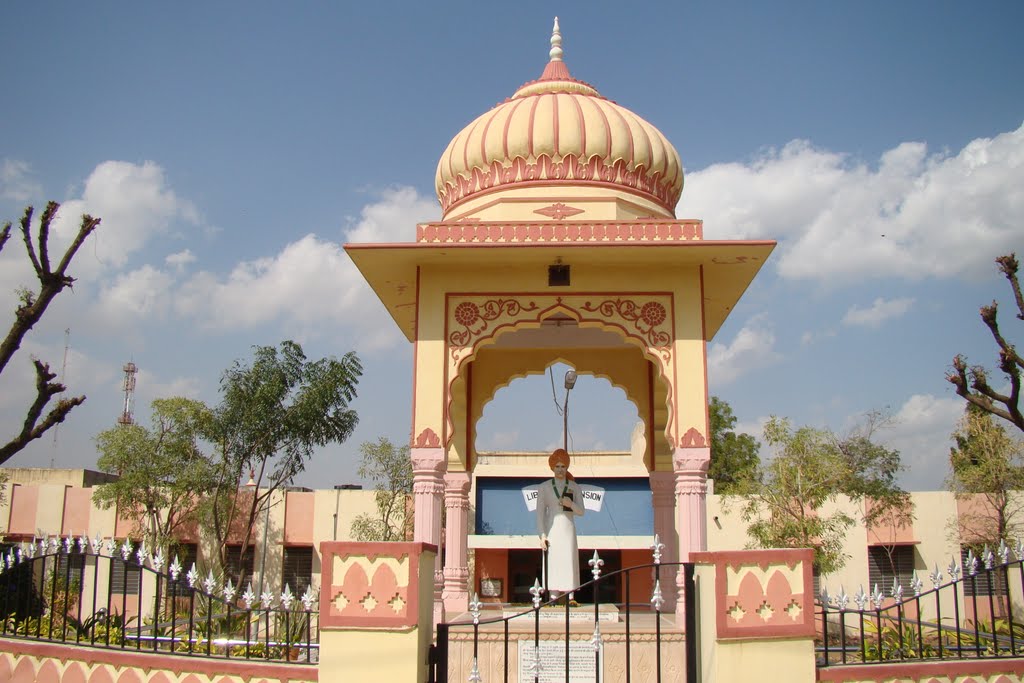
(756, 615)
(376, 611)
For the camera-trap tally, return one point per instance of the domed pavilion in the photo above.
(558, 243)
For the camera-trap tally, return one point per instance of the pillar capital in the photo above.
(427, 459)
(692, 461)
(428, 467)
(456, 489)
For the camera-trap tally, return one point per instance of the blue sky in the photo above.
(231, 148)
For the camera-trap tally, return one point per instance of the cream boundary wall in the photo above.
(934, 517)
(333, 511)
(935, 512)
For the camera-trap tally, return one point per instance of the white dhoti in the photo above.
(559, 527)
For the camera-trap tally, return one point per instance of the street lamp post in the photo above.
(570, 382)
(251, 484)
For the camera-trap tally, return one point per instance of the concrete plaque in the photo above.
(582, 661)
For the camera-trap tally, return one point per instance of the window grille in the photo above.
(71, 566)
(187, 554)
(124, 574)
(298, 569)
(239, 565)
(886, 563)
(984, 580)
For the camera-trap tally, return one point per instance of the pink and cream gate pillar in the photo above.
(558, 242)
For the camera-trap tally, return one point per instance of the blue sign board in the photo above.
(626, 509)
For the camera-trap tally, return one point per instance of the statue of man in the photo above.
(559, 502)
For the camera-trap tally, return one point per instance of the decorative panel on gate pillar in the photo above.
(756, 616)
(375, 611)
(762, 593)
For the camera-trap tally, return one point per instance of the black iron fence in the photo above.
(976, 613)
(113, 595)
(544, 659)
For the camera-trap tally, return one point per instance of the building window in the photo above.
(239, 566)
(125, 574)
(886, 563)
(984, 582)
(188, 556)
(71, 566)
(297, 572)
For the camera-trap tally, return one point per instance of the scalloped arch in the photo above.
(564, 361)
(638, 410)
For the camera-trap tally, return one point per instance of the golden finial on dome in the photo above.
(556, 43)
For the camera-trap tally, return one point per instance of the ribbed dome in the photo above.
(560, 131)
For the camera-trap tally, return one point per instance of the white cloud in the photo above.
(180, 259)
(309, 280)
(751, 349)
(814, 336)
(16, 182)
(311, 283)
(915, 215)
(880, 311)
(134, 203)
(920, 433)
(141, 293)
(150, 387)
(394, 217)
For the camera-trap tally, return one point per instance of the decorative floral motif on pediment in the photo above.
(471, 319)
(645, 316)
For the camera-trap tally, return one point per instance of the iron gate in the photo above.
(524, 629)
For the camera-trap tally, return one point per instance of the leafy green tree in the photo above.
(32, 304)
(163, 473)
(733, 456)
(273, 413)
(987, 474)
(784, 500)
(976, 390)
(390, 469)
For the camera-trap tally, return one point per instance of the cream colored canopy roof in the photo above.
(728, 267)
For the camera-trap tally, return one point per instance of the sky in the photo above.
(231, 149)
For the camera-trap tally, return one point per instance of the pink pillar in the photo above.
(663, 498)
(691, 470)
(456, 560)
(428, 466)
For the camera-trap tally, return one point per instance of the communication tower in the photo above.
(128, 416)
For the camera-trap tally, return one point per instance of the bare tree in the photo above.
(31, 307)
(977, 390)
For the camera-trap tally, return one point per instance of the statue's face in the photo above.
(559, 469)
